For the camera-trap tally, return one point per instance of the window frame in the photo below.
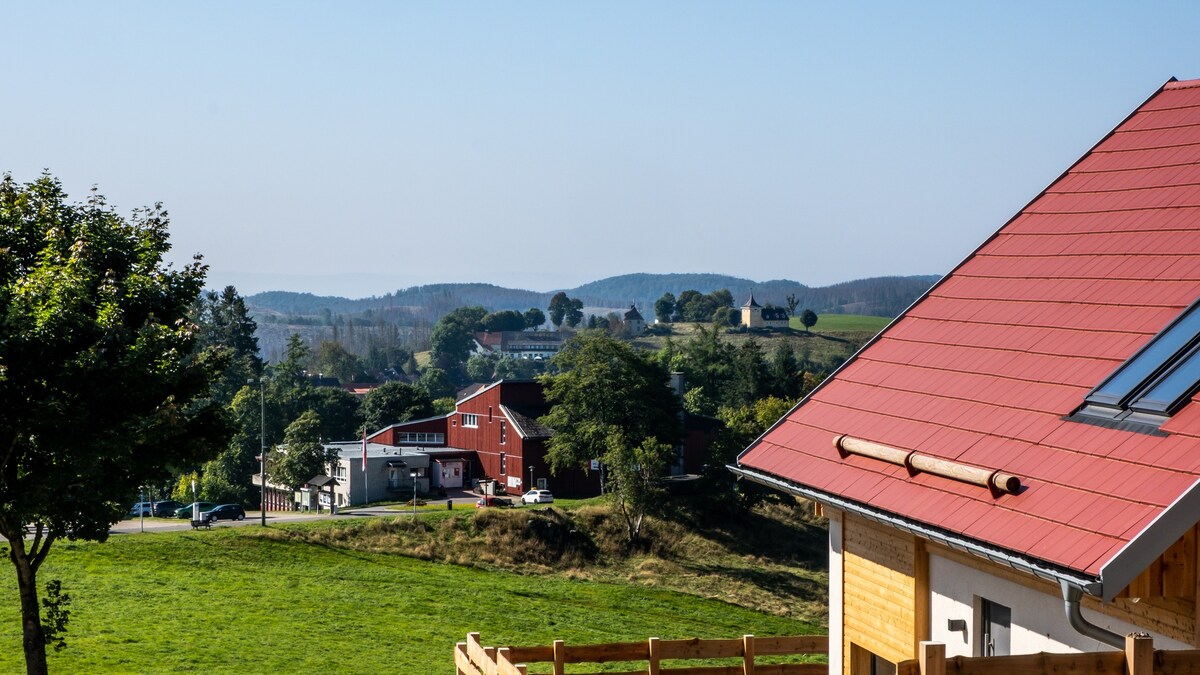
(1125, 392)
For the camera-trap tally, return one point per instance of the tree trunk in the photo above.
(34, 638)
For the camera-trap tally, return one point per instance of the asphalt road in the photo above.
(461, 500)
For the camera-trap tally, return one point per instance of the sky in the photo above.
(357, 148)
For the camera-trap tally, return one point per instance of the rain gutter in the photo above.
(1089, 585)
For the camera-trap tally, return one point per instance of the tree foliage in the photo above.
(302, 454)
(507, 320)
(394, 402)
(808, 318)
(101, 386)
(224, 324)
(534, 318)
(664, 307)
(451, 339)
(331, 359)
(612, 403)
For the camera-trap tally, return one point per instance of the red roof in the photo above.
(985, 368)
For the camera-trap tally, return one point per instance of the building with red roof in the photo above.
(1013, 465)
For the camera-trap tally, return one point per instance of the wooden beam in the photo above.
(1139, 654)
(932, 656)
(655, 658)
(747, 655)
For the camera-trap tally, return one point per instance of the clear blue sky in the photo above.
(357, 148)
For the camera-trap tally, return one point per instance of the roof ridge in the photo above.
(1182, 84)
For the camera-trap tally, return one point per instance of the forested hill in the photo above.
(881, 296)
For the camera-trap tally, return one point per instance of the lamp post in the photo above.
(530, 478)
(262, 455)
(413, 473)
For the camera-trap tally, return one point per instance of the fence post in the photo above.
(933, 658)
(459, 648)
(1139, 654)
(489, 665)
(747, 655)
(655, 656)
(560, 657)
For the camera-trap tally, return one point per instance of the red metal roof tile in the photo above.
(985, 369)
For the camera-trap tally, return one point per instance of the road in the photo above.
(461, 500)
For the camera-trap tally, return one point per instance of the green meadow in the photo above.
(292, 599)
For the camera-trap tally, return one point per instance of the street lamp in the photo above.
(413, 473)
(530, 478)
(262, 456)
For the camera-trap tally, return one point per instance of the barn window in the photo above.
(503, 463)
(503, 433)
(470, 420)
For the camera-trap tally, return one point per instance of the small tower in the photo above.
(634, 322)
(752, 313)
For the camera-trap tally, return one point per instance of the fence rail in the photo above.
(472, 658)
(1139, 658)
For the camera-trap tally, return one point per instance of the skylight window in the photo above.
(1158, 380)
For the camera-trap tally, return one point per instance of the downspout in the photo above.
(1072, 594)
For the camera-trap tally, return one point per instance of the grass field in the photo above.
(845, 323)
(290, 599)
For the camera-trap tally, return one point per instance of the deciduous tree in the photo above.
(611, 403)
(101, 387)
(808, 318)
(394, 402)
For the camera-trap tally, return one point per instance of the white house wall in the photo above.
(835, 590)
(1039, 623)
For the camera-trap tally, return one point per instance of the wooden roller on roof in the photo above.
(993, 479)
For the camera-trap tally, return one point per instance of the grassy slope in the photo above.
(338, 595)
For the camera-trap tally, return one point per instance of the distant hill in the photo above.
(408, 314)
(878, 296)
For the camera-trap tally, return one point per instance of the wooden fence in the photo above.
(1139, 658)
(472, 658)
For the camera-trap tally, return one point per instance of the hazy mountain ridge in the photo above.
(881, 296)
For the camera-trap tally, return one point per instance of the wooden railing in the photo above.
(1139, 658)
(472, 658)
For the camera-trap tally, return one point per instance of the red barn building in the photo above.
(495, 433)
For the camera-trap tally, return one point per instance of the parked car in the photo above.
(537, 497)
(141, 509)
(166, 509)
(493, 501)
(224, 512)
(186, 511)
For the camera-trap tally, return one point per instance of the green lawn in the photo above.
(845, 323)
(236, 600)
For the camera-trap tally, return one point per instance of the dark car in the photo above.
(501, 502)
(224, 512)
(186, 511)
(166, 509)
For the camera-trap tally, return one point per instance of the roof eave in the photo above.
(1040, 569)
(1144, 548)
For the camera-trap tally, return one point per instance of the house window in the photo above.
(503, 433)
(489, 413)
(1156, 381)
(503, 464)
(470, 420)
(995, 623)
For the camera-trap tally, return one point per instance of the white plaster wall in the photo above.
(835, 590)
(1039, 623)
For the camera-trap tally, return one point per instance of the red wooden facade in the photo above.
(496, 429)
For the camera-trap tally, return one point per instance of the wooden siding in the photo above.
(879, 590)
